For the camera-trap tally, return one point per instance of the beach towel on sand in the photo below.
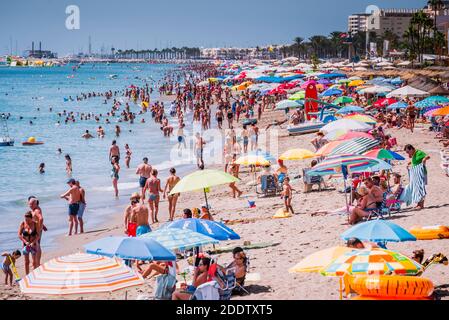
(416, 190)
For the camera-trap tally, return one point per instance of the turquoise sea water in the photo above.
(22, 91)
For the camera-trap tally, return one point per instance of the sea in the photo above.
(30, 92)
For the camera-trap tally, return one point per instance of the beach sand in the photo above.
(297, 236)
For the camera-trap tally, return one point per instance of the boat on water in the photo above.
(5, 139)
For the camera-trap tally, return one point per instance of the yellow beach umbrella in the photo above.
(362, 118)
(356, 83)
(297, 154)
(318, 260)
(441, 112)
(252, 160)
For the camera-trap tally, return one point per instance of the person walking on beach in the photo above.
(73, 196)
(29, 235)
(254, 134)
(68, 165)
(115, 174)
(128, 155)
(82, 206)
(36, 211)
(418, 157)
(181, 136)
(234, 170)
(411, 112)
(172, 180)
(114, 151)
(153, 185)
(130, 221)
(140, 211)
(287, 194)
(144, 170)
(199, 148)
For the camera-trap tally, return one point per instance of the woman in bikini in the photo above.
(172, 180)
(128, 155)
(29, 236)
(114, 174)
(153, 185)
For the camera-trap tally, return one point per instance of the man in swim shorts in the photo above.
(142, 215)
(73, 196)
(144, 170)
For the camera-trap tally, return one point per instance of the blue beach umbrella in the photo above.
(331, 92)
(213, 229)
(350, 109)
(378, 231)
(397, 105)
(182, 239)
(331, 75)
(130, 248)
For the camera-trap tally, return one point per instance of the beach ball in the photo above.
(32, 139)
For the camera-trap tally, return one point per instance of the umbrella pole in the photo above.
(346, 198)
(205, 196)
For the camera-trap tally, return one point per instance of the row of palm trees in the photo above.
(162, 54)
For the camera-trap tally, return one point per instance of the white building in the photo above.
(357, 22)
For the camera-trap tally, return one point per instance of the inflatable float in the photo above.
(391, 287)
(430, 232)
(282, 214)
(32, 142)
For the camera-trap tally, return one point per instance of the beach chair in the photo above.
(207, 291)
(269, 185)
(380, 210)
(310, 181)
(165, 286)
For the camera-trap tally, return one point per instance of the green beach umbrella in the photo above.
(301, 95)
(202, 180)
(343, 100)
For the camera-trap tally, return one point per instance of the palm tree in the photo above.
(297, 42)
(435, 5)
(335, 39)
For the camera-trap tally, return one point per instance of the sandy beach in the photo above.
(289, 240)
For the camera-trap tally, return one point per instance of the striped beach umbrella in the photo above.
(181, 239)
(80, 273)
(384, 154)
(355, 146)
(354, 163)
(372, 262)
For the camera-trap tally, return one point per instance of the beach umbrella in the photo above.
(331, 75)
(346, 124)
(362, 118)
(343, 81)
(356, 83)
(301, 95)
(297, 154)
(354, 134)
(350, 109)
(289, 104)
(384, 154)
(432, 101)
(179, 239)
(431, 110)
(335, 135)
(213, 229)
(130, 248)
(331, 92)
(441, 112)
(346, 164)
(202, 180)
(384, 102)
(376, 90)
(80, 274)
(378, 231)
(397, 105)
(253, 160)
(372, 262)
(260, 152)
(343, 100)
(354, 146)
(407, 91)
(318, 260)
(328, 147)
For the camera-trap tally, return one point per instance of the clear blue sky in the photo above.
(146, 24)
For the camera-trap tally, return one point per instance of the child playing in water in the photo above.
(287, 194)
(8, 260)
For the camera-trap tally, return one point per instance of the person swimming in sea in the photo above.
(42, 168)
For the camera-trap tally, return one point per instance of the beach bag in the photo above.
(166, 285)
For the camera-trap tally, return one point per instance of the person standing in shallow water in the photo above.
(73, 196)
(128, 155)
(68, 165)
(115, 174)
(172, 180)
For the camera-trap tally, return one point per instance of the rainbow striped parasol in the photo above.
(78, 274)
(373, 262)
